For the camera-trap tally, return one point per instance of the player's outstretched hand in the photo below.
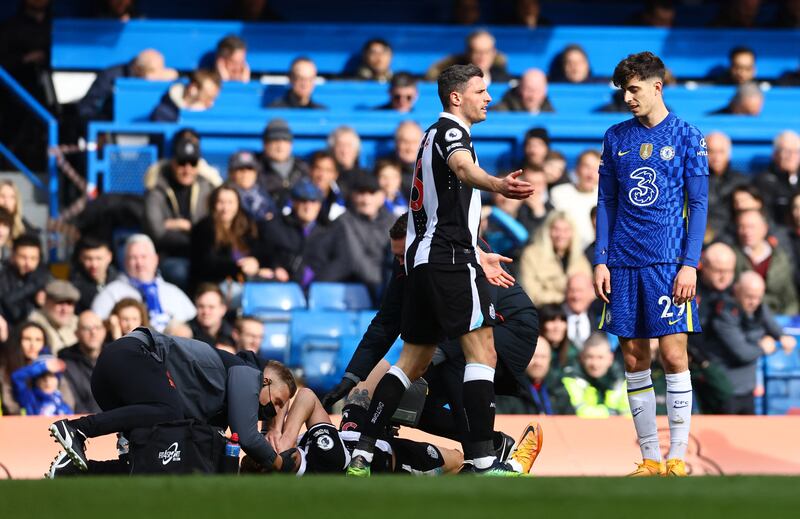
(512, 187)
(602, 282)
(337, 393)
(684, 287)
(493, 268)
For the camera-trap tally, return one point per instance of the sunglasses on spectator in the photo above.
(402, 97)
(193, 163)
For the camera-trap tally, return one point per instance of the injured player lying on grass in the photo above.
(325, 449)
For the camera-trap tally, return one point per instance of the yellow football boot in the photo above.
(648, 468)
(675, 467)
(528, 447)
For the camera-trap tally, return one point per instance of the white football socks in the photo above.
(679, 412)
(642, 400)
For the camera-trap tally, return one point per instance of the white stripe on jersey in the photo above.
(476, 319)
(354, 436)
(430, 202)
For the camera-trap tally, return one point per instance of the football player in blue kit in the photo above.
(651, 218)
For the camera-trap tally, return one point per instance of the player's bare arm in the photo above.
(473, 175)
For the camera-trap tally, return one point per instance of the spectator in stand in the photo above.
(165, 302)
(738, 14)
(794, 238)
(721, 182)
(80, 359)
(57, 315)
(553, 319)
(577, 200)
(22, 280)
(534, 210)
(595, 389)
(555, 168)
(757, 250)
(11, 201)
(280, 169)
(527, 13)
(226, 245)
(345, 146)
(6, 224)
(554, 255)
(231, 59)
(248, 334)
(780, 181)
(589, 250)
(163, 167)
(740, 331)
(92, 269)
(298, 241)
(361, 238)
(571, 66)
(530, 95)
(403, 93)
(127, 315)
(326, 177)
(657, 13)
(747, 197)
(196, 96)
(407, 138)
(173, 207)
(24, 346)
(545, 393)
(36, 387)
(715, 283)
(302, 79)
(98, 103)
(748, 100)
(535, 146)
(481, 52)
(741, 69)
(502, 230)
(210, 326)
(582, 307)
(244, 170)
(121, 10)
(390, 177)
(376, 61)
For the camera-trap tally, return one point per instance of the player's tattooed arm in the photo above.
(359, 397)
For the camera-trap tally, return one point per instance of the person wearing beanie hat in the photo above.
(281, 169)
(57, 315)
(244, 170)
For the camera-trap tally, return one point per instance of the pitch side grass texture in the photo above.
(455, 497)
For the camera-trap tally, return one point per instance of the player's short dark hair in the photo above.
(454, 79)
(402, 80)
(741, 49)
(644, 65)
(205, 288)
(398, 230)
(26, 240)
(284, 374)
(321, 155)
(230, 44)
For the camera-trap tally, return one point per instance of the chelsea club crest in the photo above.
(667, 152)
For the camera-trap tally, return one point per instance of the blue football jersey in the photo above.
(651, 166)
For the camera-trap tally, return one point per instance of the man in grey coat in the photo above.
(742, 329)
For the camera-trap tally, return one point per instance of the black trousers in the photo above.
(741, 405)
(132, 388)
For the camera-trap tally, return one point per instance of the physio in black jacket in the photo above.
(516, 333)
(146, 378)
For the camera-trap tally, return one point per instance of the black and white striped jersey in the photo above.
(445, 213)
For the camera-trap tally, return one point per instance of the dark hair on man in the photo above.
(26, 240)
(90, 243)
(454, 79)
(205, 288)
(238, 325)
(398, 230)
(375, 41)
(644, 65)
(284, 375)
(741, 49)
(402, 80)
(299, 59)
(321, 155)
(230, 44)
(198, 77)
(751, 190)
(386, 162)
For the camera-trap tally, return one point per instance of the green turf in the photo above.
(454, 497)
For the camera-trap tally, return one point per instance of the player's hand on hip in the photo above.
(493, 269)
(684, 287)
(602, 282)
(512, 187)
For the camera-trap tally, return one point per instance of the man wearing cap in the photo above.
(281, 169)
(301, 244)
(177, 201)
(362, 238)
(162, 167)
(243, 172)
(57, 316)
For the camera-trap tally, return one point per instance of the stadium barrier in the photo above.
(719, 445)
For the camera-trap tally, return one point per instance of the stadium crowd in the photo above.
(276, 216)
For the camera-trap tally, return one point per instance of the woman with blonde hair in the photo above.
(11, 201)
(548, 261)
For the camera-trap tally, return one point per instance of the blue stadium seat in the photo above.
(124, 167)
(268, 299)
(318, 329)
(276, 342)
(338, 296)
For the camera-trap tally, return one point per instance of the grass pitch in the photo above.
(455, 497)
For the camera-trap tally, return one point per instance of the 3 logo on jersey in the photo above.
(646, 190)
